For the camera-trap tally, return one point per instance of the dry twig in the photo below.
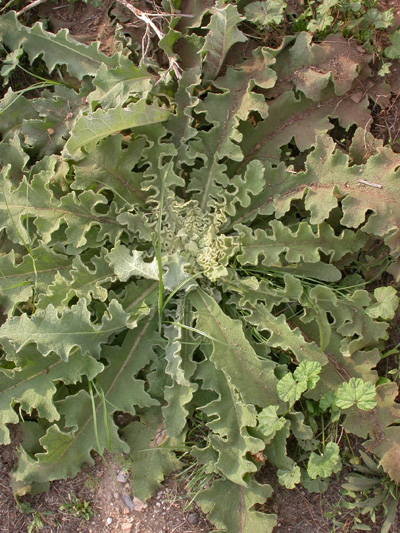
(146, 18)
(30, 6)
(365, 182)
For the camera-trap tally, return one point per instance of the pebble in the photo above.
(193, 519)
(126, 527)
(122, 477)
(128, 502)
(109, 520)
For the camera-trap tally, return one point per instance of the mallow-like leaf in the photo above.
(269, 422)
(326, 464)
(386, 304)
(356, 392)
(289, 478)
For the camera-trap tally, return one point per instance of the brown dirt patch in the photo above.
(85, 22)
(169, 511)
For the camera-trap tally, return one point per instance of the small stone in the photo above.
(158, 504)
(122, 477)
(109, 520)
(138, 504)
(128, 502)
(193, 519)
(116, 495)
(126, 526)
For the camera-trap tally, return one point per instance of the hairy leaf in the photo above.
(231, 507)
(33, 274)
(14, 109)
(92, 128)
(84, 280)
(146, 439)
(233, 354)
(60, 49)
(265, 13)
(33, 386)
(229, 421)
(91, 426)
(222, 34)
(59, 334)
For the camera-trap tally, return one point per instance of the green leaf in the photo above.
(233, 354)
(51, 332)
(33, 386)
(180, 368)
(301, 245)
(328, 178)
(393, 51)
(296, 116)
(11, 153)
(282, 335)
(127, 264)
(66, 451)
(229, 419)
(36, 200)
(225, 111)
(14, 109)
(289, 389)
(269, 422)
(84, 280)
(356, 392)
(386, 304)
(289, 478)
(146, 440)
(231, 507)
(60, 49)
(222, 35)
(58, 111)
(88, 427)
(385, 416)
(95, 172)
(326, 464)
(308, 373)
(265, 13)
(115, 85)
(34, 274)
(94, 127)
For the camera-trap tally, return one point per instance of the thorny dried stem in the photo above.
(146, 18)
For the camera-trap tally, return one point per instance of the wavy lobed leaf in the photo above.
(94, 127)
(60, 49)
(231, 507)
(60, 334)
